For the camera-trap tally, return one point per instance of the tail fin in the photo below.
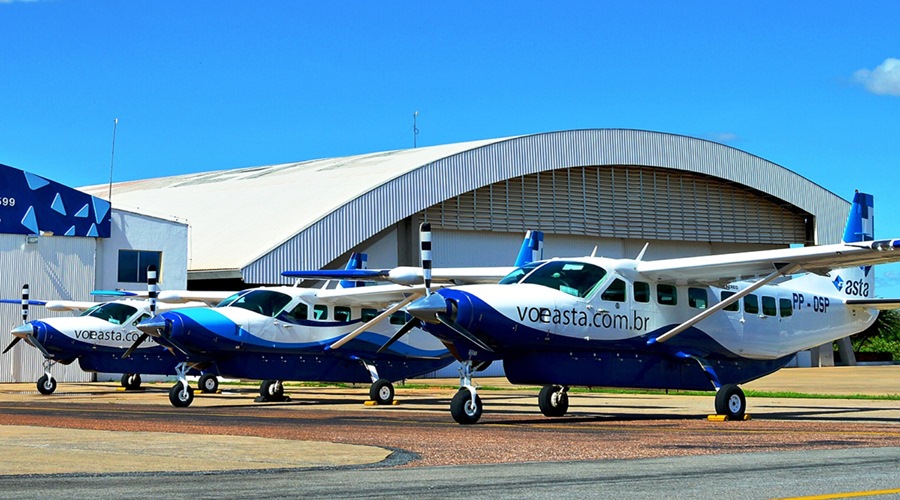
(860, 227)
(357, 261)
(861, 221)
(532, 248)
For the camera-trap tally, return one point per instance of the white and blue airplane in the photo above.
(313, 334)
(699, 323)
(97, 338)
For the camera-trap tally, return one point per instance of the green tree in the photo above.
(882, 336)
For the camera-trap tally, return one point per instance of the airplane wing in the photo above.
(408, 275)
(378, 296)
(821, 259)
(69, 305)
(185, 296)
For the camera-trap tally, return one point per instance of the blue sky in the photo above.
(209, 85)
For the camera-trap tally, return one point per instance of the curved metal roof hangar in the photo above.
(255, 222)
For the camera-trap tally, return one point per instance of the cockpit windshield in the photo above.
(113, 312)
(575, 278)
(519, 273)
(265, 302)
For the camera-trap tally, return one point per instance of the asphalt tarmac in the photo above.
(97, 430)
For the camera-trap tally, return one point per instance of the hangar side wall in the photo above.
(55, 267)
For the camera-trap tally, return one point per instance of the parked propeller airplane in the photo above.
(98, 337)
(698, 323)
(292, 333)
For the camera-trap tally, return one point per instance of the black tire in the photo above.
(382, 392)
(46, 385)
(124, 381)
(134, 382)
(271, 390)
(462, 410)
(179, 398)
(730, 401)
(553, 401)
(208, 384)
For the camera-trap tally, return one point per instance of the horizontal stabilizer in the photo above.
(19, 302)
(880, 304)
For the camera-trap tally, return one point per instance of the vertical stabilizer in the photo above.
(357, 261)
(532, 248)
(861, 221)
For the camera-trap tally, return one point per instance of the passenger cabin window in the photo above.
(575, 278)
(368, 314)
(641, 291)
(768, 306)
(299, 313)
(666, 295)
(697, 298)
(751, 304)
(734, 305)
(615, 291)
(398, 318)
(320, 312)
(786, 307)
(342, 313)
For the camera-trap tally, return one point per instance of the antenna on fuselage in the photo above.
(594, 252)
(643, 250)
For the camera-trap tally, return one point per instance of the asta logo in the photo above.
(852, 287)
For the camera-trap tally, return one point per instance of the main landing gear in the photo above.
(47, 384)
(554, 400)
(382, 390)
(131, 381)
(730, 401)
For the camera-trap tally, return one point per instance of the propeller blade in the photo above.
(137, 343)
(40, 347)
(152, 289)
(401, 332)
(456, 327)
(15, 341)
(425, 254)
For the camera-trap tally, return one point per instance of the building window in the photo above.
(133, 265)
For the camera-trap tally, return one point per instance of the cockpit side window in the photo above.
(519, 273)
(575, 278)
(113, 312)
(265, 302)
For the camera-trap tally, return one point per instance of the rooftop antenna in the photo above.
(112, 159)
(415, 129)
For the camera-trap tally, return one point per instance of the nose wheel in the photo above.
(730, 401)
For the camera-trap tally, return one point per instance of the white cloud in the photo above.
(883, 80)
(722, 137)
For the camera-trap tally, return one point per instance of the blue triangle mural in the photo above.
(58, 204)
(30, 221)
(35, 182)
(42, 205)
(101, 207)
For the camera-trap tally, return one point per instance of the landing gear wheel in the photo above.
(208, 384)
(131, 381)
(46, 385)
(382, 392)
(271, 390)
(181, 395)
(730, 401)
(553, 401)
(462, 409)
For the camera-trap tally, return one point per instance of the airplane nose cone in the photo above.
(153, 326)
(22, 330)
(427, 308)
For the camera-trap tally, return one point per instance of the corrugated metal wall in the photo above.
(481, 166)
(54, 267)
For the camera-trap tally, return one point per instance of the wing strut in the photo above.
(377, 319)
(783, 271)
